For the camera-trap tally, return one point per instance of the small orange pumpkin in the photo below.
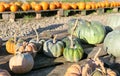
(73, 5)
(13, 8)
(45, 5)
(81, 5)
(18, 3)
(24, 7)
(52, 6)
(33, 5)
(65, 6)
(58, 4)
(2, 8)
(7, 6)
(88, 6)
(37, 7)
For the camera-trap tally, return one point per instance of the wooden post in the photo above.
(100, 11)
(83, 12)
(12, 17)
(5, 16)
(60, 13)
(115, 9)
(38, 15)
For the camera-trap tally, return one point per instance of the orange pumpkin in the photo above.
(81, 5)
(107, 4)
(73, 6)
(52, 6)
(11, 46)
(18, 3)
(13, 8)
(2, 3)
(45, 5)
(7, 6)
(37, 7)
(24, 7)
(2, 8)
(88, 6)
(28, 6)
(74, 70)
(58, 4)
(65, 6)
(33, 5)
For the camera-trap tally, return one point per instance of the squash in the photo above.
(111, 43)
(2, 8)
(58, 4)
(113, 21)
(89, 32)
(21, 63)
(65, 6)
(45, 5)
(73, 53)
(73, 5)
(53, 47)
(52, 6)
(13, 8)
(74, 70)
(37, 7)
(4, 72)
(24, 7)
(81, 5)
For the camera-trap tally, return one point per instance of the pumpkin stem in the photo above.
(36, 33)
(54, 39)
(72, 31)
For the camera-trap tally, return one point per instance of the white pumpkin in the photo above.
(21, 63)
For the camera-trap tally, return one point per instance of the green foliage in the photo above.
(66, 12)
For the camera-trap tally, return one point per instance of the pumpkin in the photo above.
(113, 21)
(90, 32)
(13, 8)
(52, 6)
(33, 5)
(73, 5)
(53, 47)
(2, 8)
(7, 6)
(88, 6)
(45, 5)
(4, 72)
(37, 7)
(21, 63)
(11, 46)
(18, 3)
(74, 70)
(73, 53)
(111, 43)
(24, 7)
(81, 5)
(65, 6)
(58, 4)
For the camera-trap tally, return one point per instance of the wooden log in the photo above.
(60, 13)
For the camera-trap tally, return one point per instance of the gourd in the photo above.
(75, 52)
(4, 72)
(13, 8)
(21, 63)
(45, 5)
(37, 42)
(90, 32)
(113, 21)
(74, 70)
(111, 43)
(53, 47)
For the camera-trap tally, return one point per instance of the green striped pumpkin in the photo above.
(73, 54)
(52, 49)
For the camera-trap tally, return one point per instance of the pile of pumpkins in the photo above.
(81, 31)
(37, 6)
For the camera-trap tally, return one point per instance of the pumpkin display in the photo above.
(45, 5)
(111, 43)
(13, 8)
(73, 53)
(90, 32)
(2, 8)
(4, 72)
(53, 47)
(21, 63)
